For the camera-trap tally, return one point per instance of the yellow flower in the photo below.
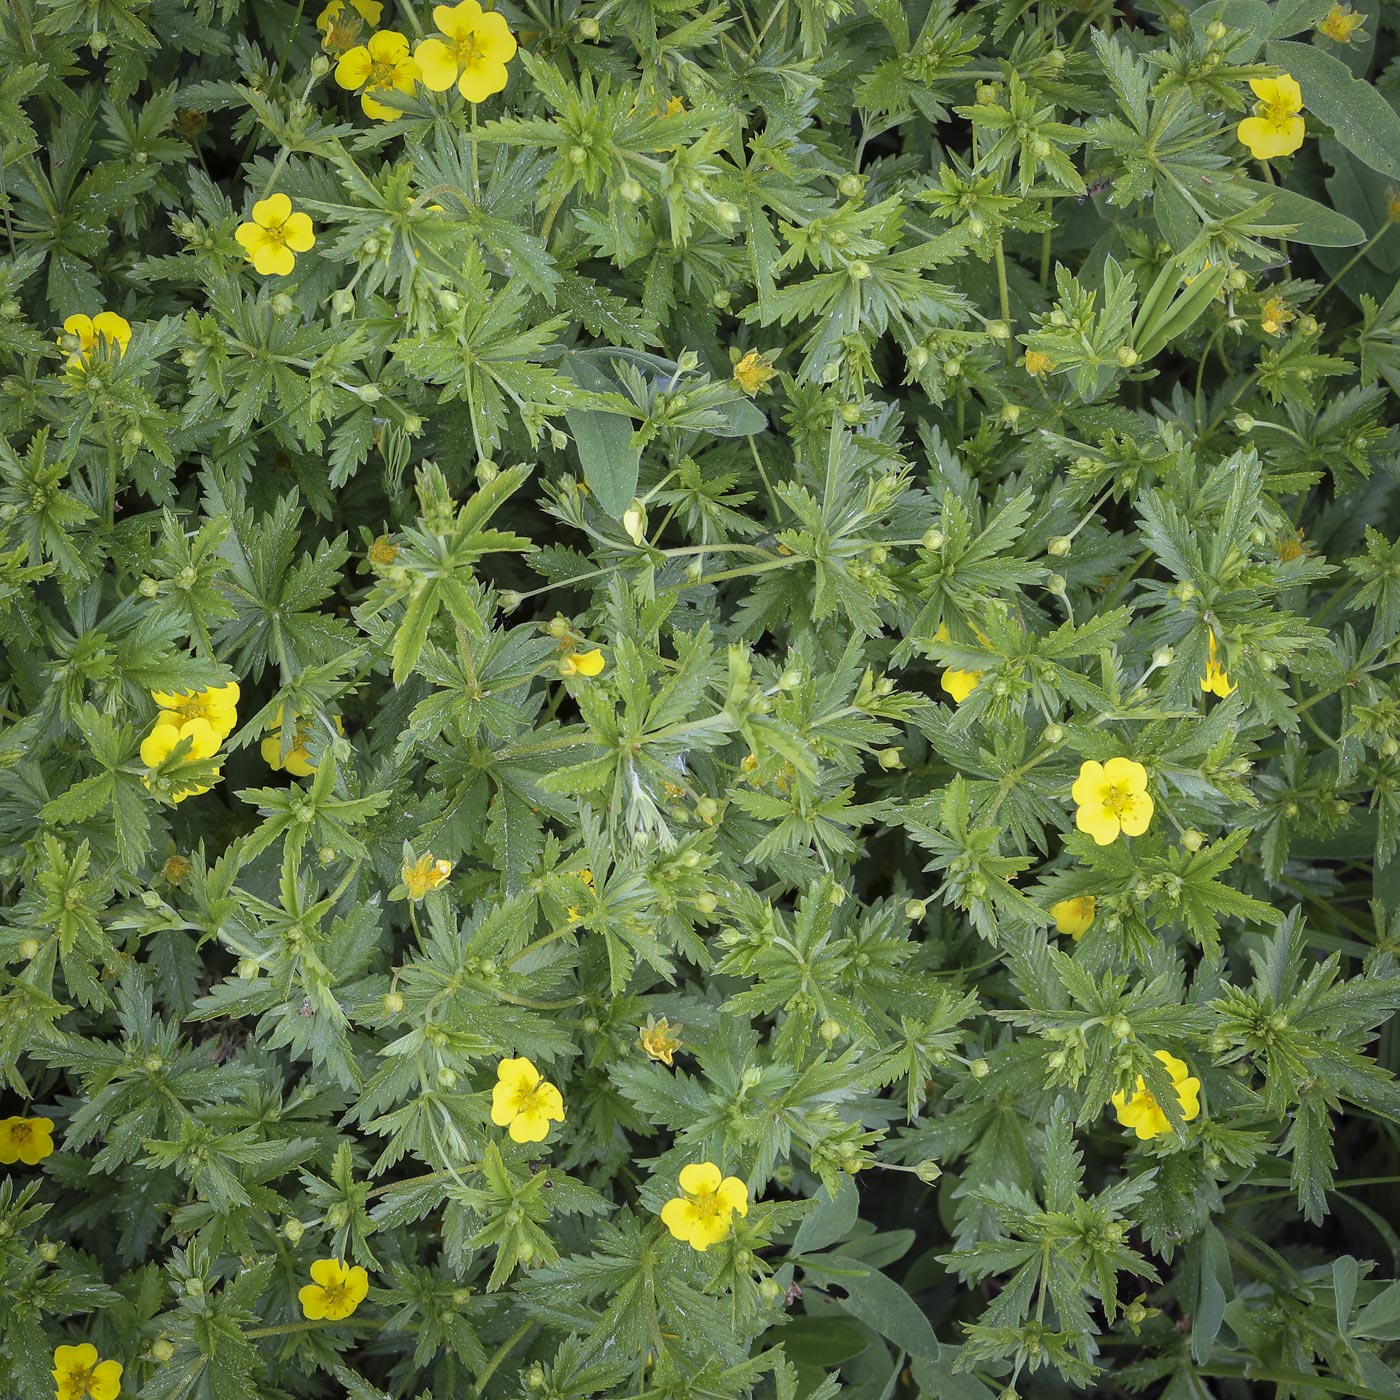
(660, 1039)
(425, 874)
(472, 54)
(1275, 315)
(106, 331)
(274, 235)
(336, 1291)
(703, 1213)
(218, 705)
(27, 1140)
(584, 874)
(958, 684)
(1289, 547)
(1275, 129)
(1038, 364)
(81, 1376)
(1074, 916)
(523, 1102)
(341, 25)
(1215, 681)
(1341, 23)
(176, 867)
(381, 64)
(383, 552)
(1143, 1114)
(298, 760)
(1112, 797)
(753, 372)
(160, 743)
(582, 663)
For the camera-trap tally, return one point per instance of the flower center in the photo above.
(79, 1385)
(708, 1205)
(381, 74)
(529, 1101)
(1278, 113)
(22, 1132)
(468, 50)
(1117, 799)
(335, 1295)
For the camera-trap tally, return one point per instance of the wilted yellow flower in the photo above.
(383, 552)
(106, 331)
(1275, 315)
(425, 874)
(470, 51)
(1275, 129)
(1074, 916)
(1112, 797)
(341, 25)
(175, 869)
(27, 1140)
(1038, 364)
(523, 1102)
(81, 1376)
(753, 372)
(660, 1039)
(1215, 681)
(336, 1290)
(703, 1214)
(1340, 24)
(1289, 547)
(582, 663)
(218, 705)
(382, 64)
(274, 235)
(958, 684)
(1143, 1114)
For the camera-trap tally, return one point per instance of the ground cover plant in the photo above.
(699, 699)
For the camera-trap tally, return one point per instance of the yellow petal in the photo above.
(959, 684)
(734, 1194)
(1099, 823)
(328, 1272)
(1089, 782)
(313, 1301)
(700, 1179)
(81, 326)
(1125, 773)
(273, 260)
(354, 68)
(588, 663)
(437, 64)
(272, 212)
(298, 233)
(529, 1127)
(678, 1216)
(494, 39)
(113, 328)
(388, 46)
(520, 1075)
(481, 80)
(1136, 816)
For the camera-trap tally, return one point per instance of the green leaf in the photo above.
(609, 461)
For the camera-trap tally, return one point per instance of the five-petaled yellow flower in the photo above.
(81, 1376)
(753, 372)
(106, 330)
(27, 1140)
(381, 64)
(1038, 364)
(274, 236)
(1074, 916)
(298, 758)
(523, 1102)
(1112, 798)
(582, 663)
(1275, 129)
(703, 1214)
(336, 1290)
(1143, 1114)
(958, 684)
(660, 1039)
(342, 24)
(1216, 680)
(470, 51)
(218, 705)
(425, 874)
(160, 743)
(1340, 24)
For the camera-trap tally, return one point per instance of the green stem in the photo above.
(1004, 298)
(1351, 262)
(502, 1351)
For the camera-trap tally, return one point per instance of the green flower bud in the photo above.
(161, 1351)
(915, 908)
(294, 1230)
(979, 1069)
(587, 29)
(1059, 546)
(391, 1003)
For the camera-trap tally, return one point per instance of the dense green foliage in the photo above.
(717, 494)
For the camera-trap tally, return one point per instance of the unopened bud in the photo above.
(1163, 656)
(933, 539)
(705, 902)
(830, 1030)
(979, 1069)
(1243, 423)
(889, 759)
(630, 191)
(587, 29)
(161, 1351)
(1126, 356)
(247, 969)
(634, 521)
(294, 1230)
(915, 908)
(391, 1003)
(1054, 733)
(858, 270)
(343, 302)
(1059, 546)
(1215, 31)
(1192, 839)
